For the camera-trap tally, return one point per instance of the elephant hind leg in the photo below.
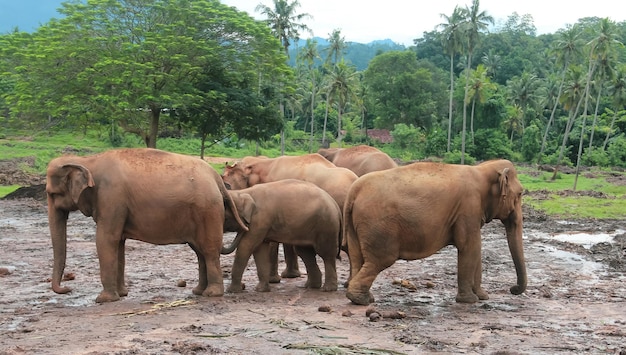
(262, 261)
(208, 245)
(202, 277)
(359, 286)
(314, 275)
(291, 259)
(274, 277)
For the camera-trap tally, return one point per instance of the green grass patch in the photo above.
(5, 190)
(563, 202)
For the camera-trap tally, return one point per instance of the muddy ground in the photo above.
(575, 301)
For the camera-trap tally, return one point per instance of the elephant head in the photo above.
(236, 176)
(68, 186)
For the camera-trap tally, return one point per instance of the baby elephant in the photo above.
(286, 211)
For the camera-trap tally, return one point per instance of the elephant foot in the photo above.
(123, 292)
(466, 298)
(482, 294)
(361, 298)
(106, 296)
(274, 279)
(328, 287)
(198, 290)
(262, 287)
(214, 291)
(313, 284)
(291, 274)
(236, 288)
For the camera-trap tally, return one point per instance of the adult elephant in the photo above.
(142, 194)
(309, 167)
(413, 211)
(361, 159)
(274, 212)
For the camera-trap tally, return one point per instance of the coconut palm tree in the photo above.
(600, 49)
(479, 85)
(617, 91)
(452, 40)
(567, 47)
(341, 89)
(285, 23)
(475, 22)
(337, 46)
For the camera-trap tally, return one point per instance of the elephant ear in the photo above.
(503, 179)
(78, 179)
(246, 207)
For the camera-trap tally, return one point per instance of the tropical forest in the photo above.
(141, 73)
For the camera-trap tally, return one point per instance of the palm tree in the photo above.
(492, 63)
(568, 46)
(606, 57)
(308, 55)
(341, 90)
(573, 95)
(524, 91)
(451, 37)
(617, 90)
(285, 24)
(513, 122)
(336, 47)
(600, 49)
(475, 22)
(479, 84)
(284, 21)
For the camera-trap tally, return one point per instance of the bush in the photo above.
(454, 157)
(616, 151)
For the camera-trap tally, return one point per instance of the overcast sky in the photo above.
(404, 20)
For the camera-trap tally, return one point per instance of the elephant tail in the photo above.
(340, 237)
(227, 250)
(230, 203)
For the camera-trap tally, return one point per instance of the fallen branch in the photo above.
(157, 307)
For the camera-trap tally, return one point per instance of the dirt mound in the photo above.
(12, 172)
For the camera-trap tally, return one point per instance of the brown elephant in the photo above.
(275, 212)
(413, 211)
(313, 168)
(142, 194)
(361, 159)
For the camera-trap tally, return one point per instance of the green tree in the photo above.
(475, 22)
(617, 91)
(452, 40)
(566, 48)
(285, 21)
(132, 59)
(479, 86)
(336, 48)
(341, 89)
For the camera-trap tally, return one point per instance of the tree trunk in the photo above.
(608, 134)
(154, 126)
(595, 119)
(556, 104)
(450, 103)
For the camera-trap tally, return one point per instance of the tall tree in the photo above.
(336, 48)
(341, 89)
(129, 60)
(475, 22)
(599, 52)
(566, 48)
(617, 91)
(479, 86)
(452, 40)
(284, 20)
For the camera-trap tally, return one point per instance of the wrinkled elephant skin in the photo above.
(142, 194)
(413, 211)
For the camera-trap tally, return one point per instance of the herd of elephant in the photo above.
(356, 200)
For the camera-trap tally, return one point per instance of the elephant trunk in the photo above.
(57, 219)
(233, 245)
(514, 237)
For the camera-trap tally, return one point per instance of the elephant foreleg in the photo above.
(108, 253)
(469, 271)
(291, 259)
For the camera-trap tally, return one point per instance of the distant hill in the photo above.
(358, 54)
(28, 15)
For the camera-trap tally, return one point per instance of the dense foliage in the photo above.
(465, 91)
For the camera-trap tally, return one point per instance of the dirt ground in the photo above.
(575, 301)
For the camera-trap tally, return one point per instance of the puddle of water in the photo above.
(587, 240)
(575, 262)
